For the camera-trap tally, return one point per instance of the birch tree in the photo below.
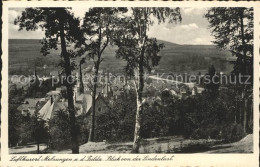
(140, 51)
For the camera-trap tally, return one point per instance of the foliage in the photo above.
(118, 123)
(58, 24)
(141, 52)
(99, 27)
(39, 129)
(233, 132)
(46, 19)
(14, 120)
(134, 46)
(233, 28)
(198, 117)
(59, 132)
(211, 81)
(25, 131)
(83, 128)
(38, 90)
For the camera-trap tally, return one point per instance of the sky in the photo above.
(192, 30)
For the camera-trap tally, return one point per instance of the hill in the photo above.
(193, 58)
(24, 54)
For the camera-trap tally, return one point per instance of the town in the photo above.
(130, 80)
(108, 91)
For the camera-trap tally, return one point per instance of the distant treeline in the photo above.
(25, 55)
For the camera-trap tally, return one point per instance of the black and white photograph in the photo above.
(130, 80)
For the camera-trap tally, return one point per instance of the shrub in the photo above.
(82, 125)
(59, 131)
(233, 133)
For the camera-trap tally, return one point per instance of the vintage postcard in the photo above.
(130, 84)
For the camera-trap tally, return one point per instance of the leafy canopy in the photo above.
(134, 44)
(233, 29)
(99, 26)
(48, 20)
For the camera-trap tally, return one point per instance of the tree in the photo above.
(99, 25)
(39, 130)
(233, 28)
(82, 61)
(61, 26)
(58, 130)
(140, 51)
(14, 121)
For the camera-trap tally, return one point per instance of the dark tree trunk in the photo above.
(38, 148)
(244, 72)
(93, 114)
(81, 79)
(69, 86)
(94, 92)
(245, 116)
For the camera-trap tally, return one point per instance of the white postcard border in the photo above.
(199, 160)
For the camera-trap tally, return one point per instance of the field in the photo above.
(24, 55)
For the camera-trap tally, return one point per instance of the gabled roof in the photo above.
(46, 111)
(29, 103)
(32, 101)
(158, 100)
(99, 97)
(88, 99)
(53, 92)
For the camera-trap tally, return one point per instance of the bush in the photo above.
(206, 133)
(82, 125)
(233, 133)
(118, 123)
(59, 131)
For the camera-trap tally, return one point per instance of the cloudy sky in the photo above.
(192, 30)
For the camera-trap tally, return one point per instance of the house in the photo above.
(55, 94)
(173, 93)
(157, 101)
(200, 89)
(29, 106)
(102, 106)
(184, 89)
(149, 100)
(55, 74)
(106, 89)
(86, 102)
(63, 105)
(194, 91)
(116, 90)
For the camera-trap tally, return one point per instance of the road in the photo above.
(29, 149)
